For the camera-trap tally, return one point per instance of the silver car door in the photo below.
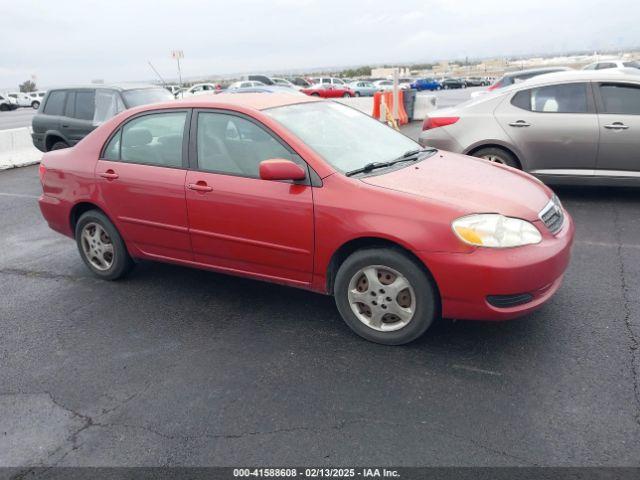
(619, 119)
(554, 128)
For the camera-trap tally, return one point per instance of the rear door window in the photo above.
(55, 103)
(563, 98)
(85, 101)
(154, 139)
(623, 99)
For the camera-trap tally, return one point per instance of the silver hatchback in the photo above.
(578, 127)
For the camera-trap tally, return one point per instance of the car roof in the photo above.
(535, 70)
(611, 74)
(257, 101)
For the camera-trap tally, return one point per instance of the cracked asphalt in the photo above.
(173, 366)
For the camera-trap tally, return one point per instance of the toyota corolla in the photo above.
(311, 194)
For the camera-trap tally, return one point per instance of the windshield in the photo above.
(144, 96)
(346, 138)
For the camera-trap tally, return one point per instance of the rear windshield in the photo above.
(144, 96)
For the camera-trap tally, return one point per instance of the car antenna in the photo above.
(164, 84)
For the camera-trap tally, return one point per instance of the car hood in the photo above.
(471, 185)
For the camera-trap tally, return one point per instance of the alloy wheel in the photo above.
(495, 159)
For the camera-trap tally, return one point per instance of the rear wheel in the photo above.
(4, 107)
(101, 246)
(385, 297)
(497, 155)
(35, 105)
(346, 95)
(59, 145)
(357, 94)
(316, 94)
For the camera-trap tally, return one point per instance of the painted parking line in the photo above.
(18, 195)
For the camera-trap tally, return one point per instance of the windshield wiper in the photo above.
(405, 157)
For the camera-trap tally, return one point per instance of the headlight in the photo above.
(495, 231)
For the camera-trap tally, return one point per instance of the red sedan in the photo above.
(315, 195)
(327, 90)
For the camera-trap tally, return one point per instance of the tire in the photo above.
(421, 301)
(35, 105)
(498, 155)
(346, 95)
(59, 145)
(4, 107)
(94, 232)
(357, 94)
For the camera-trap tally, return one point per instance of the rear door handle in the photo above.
(109, 175)
(199, 187)
(519, 123)
(616, 126)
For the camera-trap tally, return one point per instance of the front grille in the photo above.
(552, 215)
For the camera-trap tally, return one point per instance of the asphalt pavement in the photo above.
(16, 118)
(174, 366)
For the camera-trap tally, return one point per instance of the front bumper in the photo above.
(466, 280)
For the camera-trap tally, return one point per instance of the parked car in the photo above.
(522, 75)
(7, 103)
(476, 82)
(283, 82)
(259, 78)
(244, 84)
(22, 99)
(333, 81)
(67, 115)
(328, 90)
(426, 84)
(199, 89)
(363, 88)
(36, 98)
(605, 64)
(578, 127)
(301, 82)
(382, 85)
(449, 83)
(249, 185)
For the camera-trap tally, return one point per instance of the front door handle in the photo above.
(519, 123)
(109, 175)
(616, 126)
(200, 187)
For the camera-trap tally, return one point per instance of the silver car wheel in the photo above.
(97, 246)
(382, 298)
(494, 159)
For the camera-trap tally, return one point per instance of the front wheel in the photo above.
(346, 95)
(101, 246)
(357, 94)
(385, 296)
(35, 105)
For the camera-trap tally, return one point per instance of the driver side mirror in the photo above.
(280, 169)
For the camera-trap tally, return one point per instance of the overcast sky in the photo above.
(73, 41)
